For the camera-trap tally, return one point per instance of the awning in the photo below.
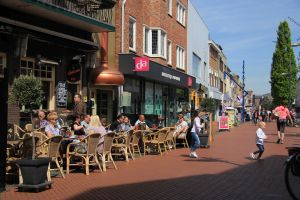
(63, 14)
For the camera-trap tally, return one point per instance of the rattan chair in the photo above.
(29, 127)
(134, 144)
(147, 136)
(105, 155)
(91, 142)
(53, 146)
(182, 137)
(159, 138)
(124, 147)
(41, 147)
(169, 141)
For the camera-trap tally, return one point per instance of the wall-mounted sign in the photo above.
(141, 64)
(126, 99)
(190, 81)
(74, 71)
(61, 94)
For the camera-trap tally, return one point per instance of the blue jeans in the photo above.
(195, 141)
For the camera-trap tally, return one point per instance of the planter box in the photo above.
(34, 173)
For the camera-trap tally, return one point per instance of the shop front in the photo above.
(156, 91)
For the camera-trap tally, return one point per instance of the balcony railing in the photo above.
(100, 10)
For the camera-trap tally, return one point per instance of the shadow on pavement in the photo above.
(257, 180)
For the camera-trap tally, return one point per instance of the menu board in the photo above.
(61, 94)
(231, 117)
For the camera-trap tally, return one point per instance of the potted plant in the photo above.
(27, 91)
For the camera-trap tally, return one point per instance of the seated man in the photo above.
(141, 124)
(86, 123)
(117, 124)
(181, 126)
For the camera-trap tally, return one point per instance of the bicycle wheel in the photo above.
(292, 178)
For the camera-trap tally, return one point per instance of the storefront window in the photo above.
(149, 98)
(158, 100)
(132, 86)
(2, 64)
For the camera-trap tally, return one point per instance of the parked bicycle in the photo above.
(292, 172)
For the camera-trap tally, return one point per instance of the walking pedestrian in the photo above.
(260, 136)
(196, 130)
(281, 113)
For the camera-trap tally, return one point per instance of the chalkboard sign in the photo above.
(61, 94)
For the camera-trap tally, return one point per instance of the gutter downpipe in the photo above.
(120, 88)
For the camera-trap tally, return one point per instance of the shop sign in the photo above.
(223, 123)
(61, 94)
(169, 76)
(141, 64)
(190, 81)
(73, 72)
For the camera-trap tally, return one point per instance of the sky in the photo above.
(246, 30)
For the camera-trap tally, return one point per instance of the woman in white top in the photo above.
(96, 127)
(51, 128)
(196, 130)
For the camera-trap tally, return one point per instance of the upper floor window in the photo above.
(155, 42)
(196, 65)
(180, 58)
(44, 71)
(169, 53)
(2, 64)
(132, 34)
(170, 7)
(180, 13)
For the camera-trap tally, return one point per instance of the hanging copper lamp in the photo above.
(103, 75)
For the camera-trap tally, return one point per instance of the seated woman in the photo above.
(181, 126)
(96, 127)
(77, 127)
(125, 126)
(51, 129)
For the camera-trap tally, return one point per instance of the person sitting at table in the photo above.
(51, 129)
(181, 126)
(86, 123)
(125, 126)
(96, 127)
(77, 127)
(141, 124)
(116, 124)
(41, 122)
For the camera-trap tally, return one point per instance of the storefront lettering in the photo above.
(172, 77)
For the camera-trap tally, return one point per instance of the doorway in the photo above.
(104, 104)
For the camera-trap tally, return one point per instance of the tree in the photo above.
(209, 105)
(284, 69)
(27, 91)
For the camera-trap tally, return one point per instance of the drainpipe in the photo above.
(120, 88)
(122, 26)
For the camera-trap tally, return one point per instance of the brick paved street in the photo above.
(222, 172)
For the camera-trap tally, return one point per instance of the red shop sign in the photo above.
(141, 64)
(190, 81)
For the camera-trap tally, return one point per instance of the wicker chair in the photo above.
(53, 146)
(105, 155)
(169, 141)
(41, 149)
(159, 139)
(29, 127)
(147, 136)
(123, 148)
(18, 131)
(182, 137)
(91, 142)
(134, 144)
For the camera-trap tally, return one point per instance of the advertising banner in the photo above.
(223, 123)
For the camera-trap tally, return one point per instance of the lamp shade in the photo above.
(106, 76)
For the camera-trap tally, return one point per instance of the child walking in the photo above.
(260, 136)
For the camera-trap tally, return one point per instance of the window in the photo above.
(169, 53)
(170, 7)
(2, 64)
(155, 42)
(180, 57)
(196, 65)
(132, 33)
(180, 13)
(44, 71)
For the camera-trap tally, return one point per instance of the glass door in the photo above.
(104, 104)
